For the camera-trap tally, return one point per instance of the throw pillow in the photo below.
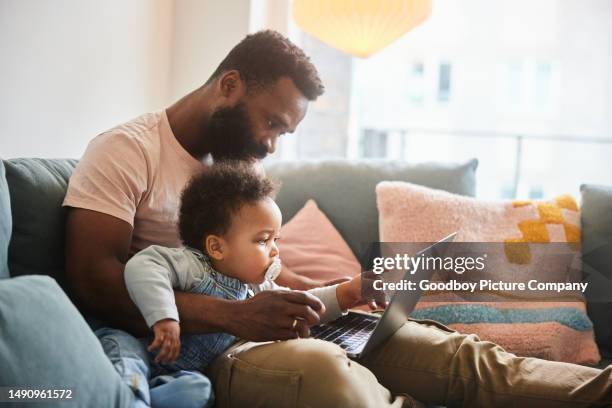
(552, 330)
(6, 224)
(311, 246)
(46, 344)
(37, 188)
(597, 260)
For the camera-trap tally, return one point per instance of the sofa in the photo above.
(45, 342)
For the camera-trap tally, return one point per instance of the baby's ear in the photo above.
(214, 246)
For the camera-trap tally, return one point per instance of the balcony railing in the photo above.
(397, 140)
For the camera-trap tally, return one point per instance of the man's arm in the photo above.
(97, 247)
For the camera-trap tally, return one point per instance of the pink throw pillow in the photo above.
(552, 330)
(311, 246)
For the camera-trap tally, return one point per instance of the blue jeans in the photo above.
(173, 390)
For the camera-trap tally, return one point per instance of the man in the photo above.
(124, 196)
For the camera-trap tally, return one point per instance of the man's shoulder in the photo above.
(116, 171)
(141, 132)
(143, 124)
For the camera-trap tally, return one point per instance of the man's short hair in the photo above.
(214, 196)
(264, 57)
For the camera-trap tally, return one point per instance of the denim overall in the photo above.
(197, 351)
(180, 384)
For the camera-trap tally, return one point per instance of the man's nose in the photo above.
(272, 144)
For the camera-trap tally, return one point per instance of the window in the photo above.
(536, 192)
(515, 84)
(536, 114)
(416, 84)
(543, 86)
(373, 144)
(529, 86)
(444, 82)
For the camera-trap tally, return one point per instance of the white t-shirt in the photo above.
(136, 172)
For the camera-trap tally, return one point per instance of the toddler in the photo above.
(229, 224)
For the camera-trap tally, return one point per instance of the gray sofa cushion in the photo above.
(6, 224)
(344, 190)
(45, 343)
(597, 260)
(37, 188)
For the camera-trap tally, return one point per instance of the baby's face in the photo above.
(251, 241)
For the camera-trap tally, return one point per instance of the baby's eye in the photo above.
(262, 241)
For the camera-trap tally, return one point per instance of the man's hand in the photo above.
(167, 340)
(270, 315)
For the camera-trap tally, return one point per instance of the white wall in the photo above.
(204, 32)
(70, 69)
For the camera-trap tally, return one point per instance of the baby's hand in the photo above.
(167, 339)
(351, 293)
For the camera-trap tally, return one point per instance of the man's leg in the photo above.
(129, 357)
(436, 364)
(297, 373)
(181, 389)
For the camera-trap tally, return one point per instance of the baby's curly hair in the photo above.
(212, 198)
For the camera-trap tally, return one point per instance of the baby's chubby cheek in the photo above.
(254, 274)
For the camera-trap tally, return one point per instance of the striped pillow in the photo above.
(559, 330)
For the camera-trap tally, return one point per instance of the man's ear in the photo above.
(215, 247)
(231, 85)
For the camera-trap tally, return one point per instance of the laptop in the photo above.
(359, 333)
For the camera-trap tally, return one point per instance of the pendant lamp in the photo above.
(359, 27)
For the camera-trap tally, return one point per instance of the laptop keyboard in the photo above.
(350, 332)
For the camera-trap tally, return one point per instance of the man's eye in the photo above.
(271, 124)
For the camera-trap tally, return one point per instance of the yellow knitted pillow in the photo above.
(556, 222)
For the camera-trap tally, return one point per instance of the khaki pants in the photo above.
(423, 359)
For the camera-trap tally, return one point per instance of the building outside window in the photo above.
(444, 82)
(416, 84)
(529, 101)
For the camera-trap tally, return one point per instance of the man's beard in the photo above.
(230, 137)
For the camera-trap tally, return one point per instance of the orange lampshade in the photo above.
(359, 27)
